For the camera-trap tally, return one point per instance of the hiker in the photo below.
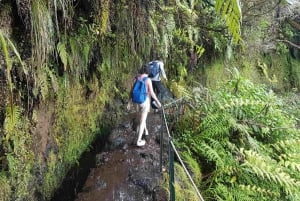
(155, 75)
(143, 108)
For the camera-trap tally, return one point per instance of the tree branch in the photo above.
(289, 43)
(294, 24)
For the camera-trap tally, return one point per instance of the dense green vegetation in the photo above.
(64, 63)
(246, 143)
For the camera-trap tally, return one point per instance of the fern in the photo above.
(43, 85)
(225, 193)
(13, 116)
(230, 11)
(216, 125)
(264, 192)
(242, 116)
(210, 153)
(289, 144)
(62, 51)
(266, 168)
(53, 79)
(293, 165)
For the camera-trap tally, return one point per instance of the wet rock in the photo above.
(102, 158)
(144, 183)
(125, 171)
(100, 184)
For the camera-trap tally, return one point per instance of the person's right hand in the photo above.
(158, 104)
(128, 106)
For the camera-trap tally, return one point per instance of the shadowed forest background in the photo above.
(65, 67)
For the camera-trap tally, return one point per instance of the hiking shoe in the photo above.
(141, 143)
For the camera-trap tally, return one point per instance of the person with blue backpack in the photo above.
(141, 94)
(156, 70)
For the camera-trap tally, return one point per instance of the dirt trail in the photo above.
(124, 171)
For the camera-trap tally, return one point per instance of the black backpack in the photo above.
(153, 68)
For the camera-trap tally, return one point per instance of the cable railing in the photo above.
(178, 104)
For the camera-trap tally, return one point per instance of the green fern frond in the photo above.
(256, 189)
(16, 52)
(225, 193)
(292, 165)
(240, 102)
(13, 116)
(216, 126)
(62, 52)
(210, 153)
(53, 79)
(290, 156)
(230, 11)
(265, 168)
(286, 144)
(43, 82)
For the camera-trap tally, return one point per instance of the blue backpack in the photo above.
(153, 68)
(139, 91)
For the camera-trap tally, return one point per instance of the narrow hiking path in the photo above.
(124, 171)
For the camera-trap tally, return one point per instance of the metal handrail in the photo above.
(172, 149)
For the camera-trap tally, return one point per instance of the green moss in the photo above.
(20, 157)
(277, 71)
(53, 176)
(295, 73)
(193, 167)
(183, 187)
(5, 191)
(216, 74)
(249, 70)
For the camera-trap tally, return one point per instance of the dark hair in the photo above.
(143, 69)
(159, 58)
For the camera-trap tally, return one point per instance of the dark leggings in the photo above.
(156, 87)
